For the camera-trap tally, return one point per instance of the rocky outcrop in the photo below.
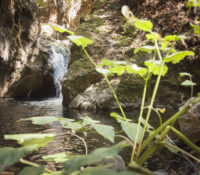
(190, 123)
(19, 30)
(41, 78)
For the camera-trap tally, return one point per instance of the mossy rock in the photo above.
(80, 76)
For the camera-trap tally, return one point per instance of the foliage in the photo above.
(142, 147)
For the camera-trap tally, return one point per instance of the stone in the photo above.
(79, 77)
(189, 123)
(100, 97)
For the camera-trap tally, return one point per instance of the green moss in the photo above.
(130, 87)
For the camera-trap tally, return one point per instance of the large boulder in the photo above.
(100, 97)
(79, 77)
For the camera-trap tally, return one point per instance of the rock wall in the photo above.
(19, 30)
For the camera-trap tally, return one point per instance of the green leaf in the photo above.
(43, 120)
(155, 67)
(188, 83)
(69, 124)
(182, 74)
(117, 116)
(37, 140)
(80, 40)
(178, 56)
(153, 36)
(134, 69)
(172, 150)
(144, 25)
(106, 131)
(96, 156)
(58, 157)
(102, 71)
(107, 62)
(149, 127)
(61, 29)
(119, 70)
(195, 28)
(66, 123)
(9, 155)
(130, 129)
(31, 171)
(193, 3)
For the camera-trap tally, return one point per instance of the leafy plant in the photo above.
(142, 147)
(188, 82)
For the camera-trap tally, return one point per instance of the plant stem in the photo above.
(168, 122)
(112, 90)
(34, 165)
(153, 97)
(181, 150)
(151, 104)
(140, 117)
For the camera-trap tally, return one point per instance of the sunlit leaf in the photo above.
(117, 116)
(155, 67)
(178, 56)
(170, 38)
(134, 69)
(69, 124)
(195, 28)
(125, 11)
(96, 156)
(106, 131)
(31, 171)
(58, 157)
(38, 140)
(9, 155)
(119, 70)
(153, 36)
(41, 120)
(182, 74)
(61, 29)
(80, 40)
(188, 83)
(193, 3)
(144, 25)
(102, 70)
(107, 62)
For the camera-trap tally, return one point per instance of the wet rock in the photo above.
(190, 123)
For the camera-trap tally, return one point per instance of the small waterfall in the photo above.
(58, 60)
